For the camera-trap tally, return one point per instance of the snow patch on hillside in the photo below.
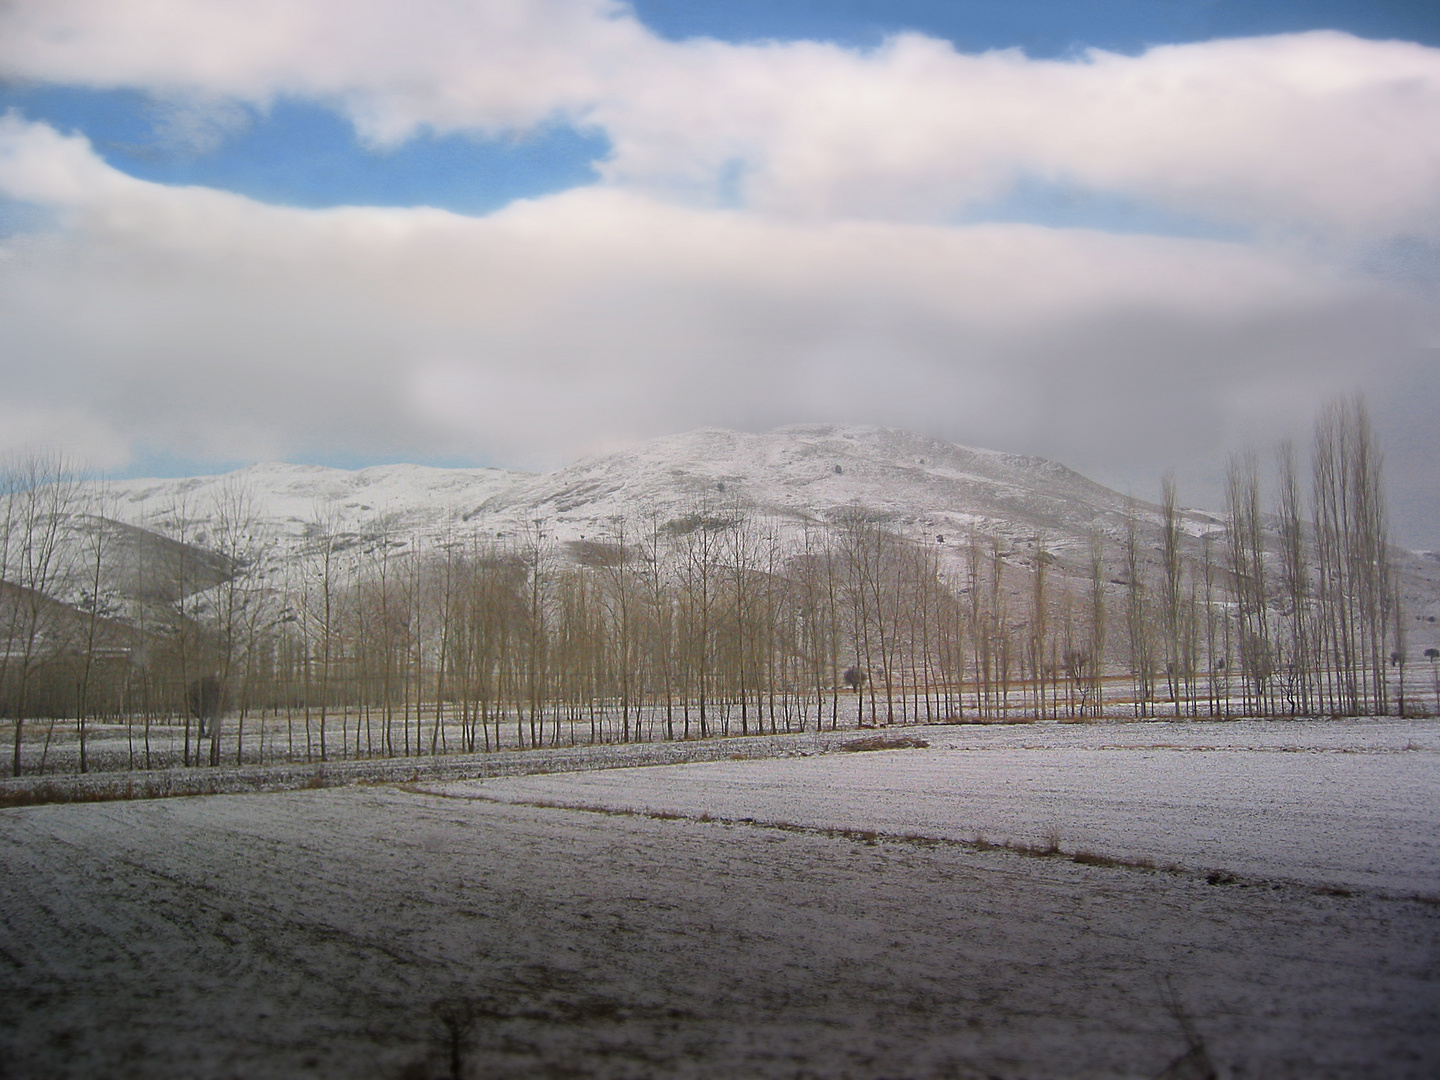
(787, 479)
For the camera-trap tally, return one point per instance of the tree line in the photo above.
(374, 644)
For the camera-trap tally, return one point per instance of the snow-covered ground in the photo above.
(1353, 804)
(311, 933)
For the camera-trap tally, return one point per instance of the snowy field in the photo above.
(314, 933)
(1354, 804)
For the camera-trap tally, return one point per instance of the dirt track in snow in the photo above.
(309, 933)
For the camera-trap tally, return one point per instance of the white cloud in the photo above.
(87, 441)
(204, 321)
(394, 66)
(838, 288)
(1316, 131)
(193, 124)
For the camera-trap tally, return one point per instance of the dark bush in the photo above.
(885, 742)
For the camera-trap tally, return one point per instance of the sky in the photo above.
(1129, 235)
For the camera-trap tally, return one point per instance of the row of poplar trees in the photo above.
(1295, 613)
(373, 644)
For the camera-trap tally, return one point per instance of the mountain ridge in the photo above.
(789, 481)
(794, 476)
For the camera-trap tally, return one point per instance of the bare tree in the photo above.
(1352, 552)
(239, 607)
(1138, 618)
(1176, 661)
(740, 557)
(96, 541)
(1096, 643)
(321, 618)
(40, 496)
(1248, 579)
(1039, 622)
(622, 615)
(536, 557)
(1295, 581)
(700, 534)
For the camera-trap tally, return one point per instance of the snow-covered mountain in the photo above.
(793, 475)
(789, 479)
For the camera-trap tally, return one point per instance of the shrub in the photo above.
(885, 742)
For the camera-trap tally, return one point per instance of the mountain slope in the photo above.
(789, 479)
(812, 473)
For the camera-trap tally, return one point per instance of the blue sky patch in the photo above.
(1061, 205)
(1043, 28)
(306, 155)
